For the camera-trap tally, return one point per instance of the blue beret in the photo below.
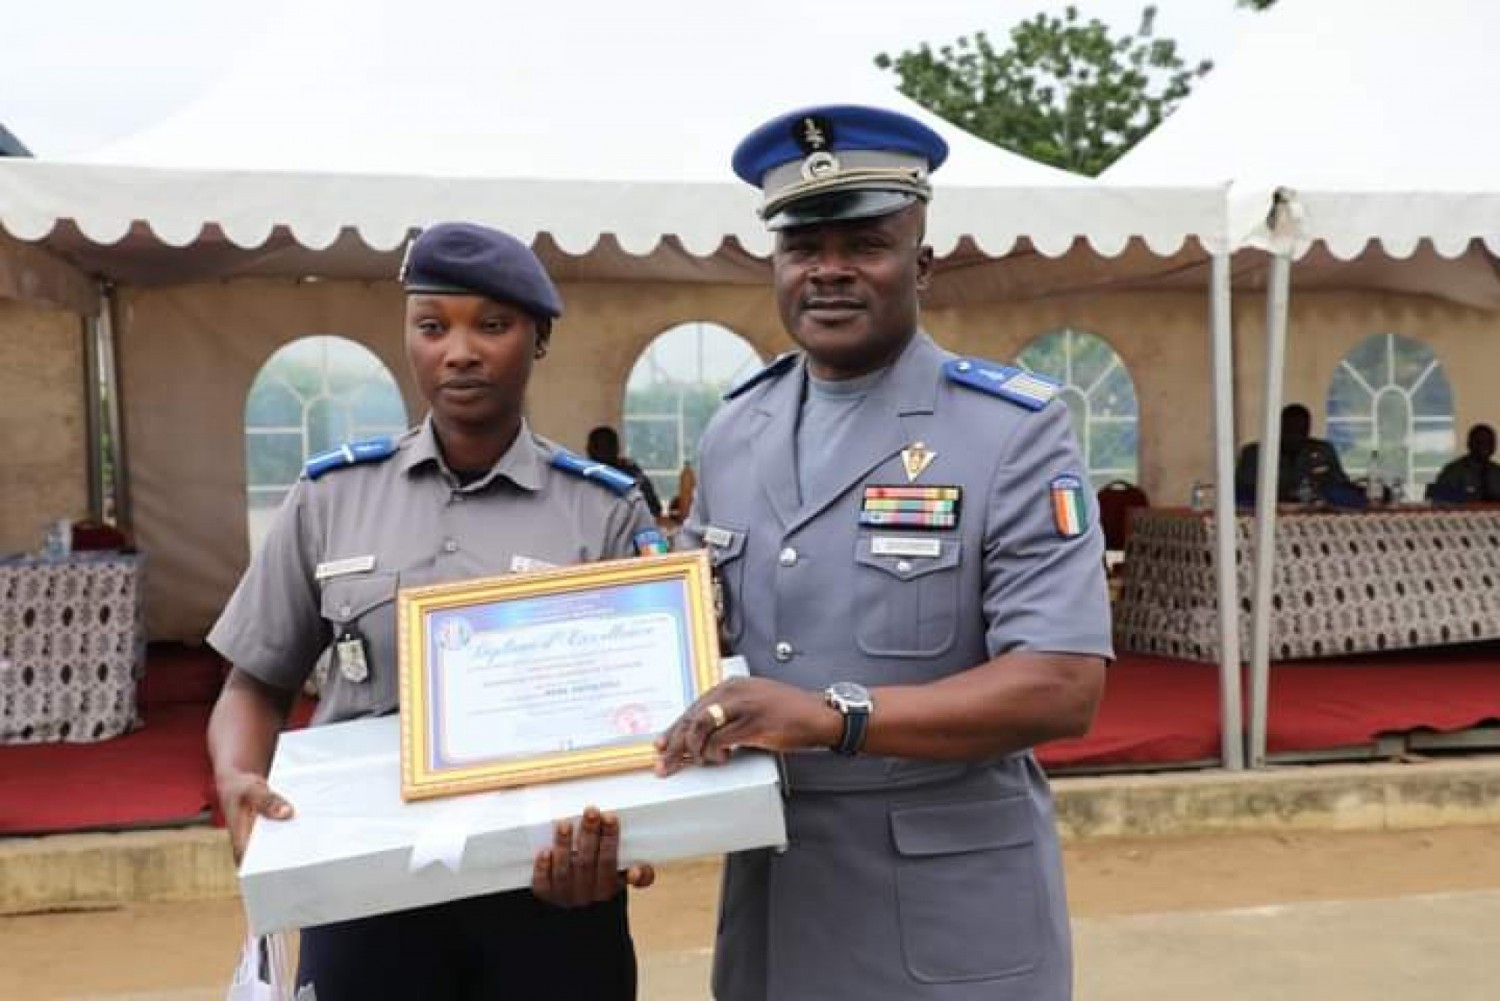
(839, 161)
(460, 258)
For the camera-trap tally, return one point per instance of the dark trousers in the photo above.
(503, 947)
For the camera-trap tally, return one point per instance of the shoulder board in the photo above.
(349, 454)
(609, 476)
(1023, 388)
(777, 368)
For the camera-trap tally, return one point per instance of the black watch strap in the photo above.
(856, 722)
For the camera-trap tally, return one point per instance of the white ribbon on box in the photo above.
(355, 848)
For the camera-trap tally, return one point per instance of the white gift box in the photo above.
(355, 848)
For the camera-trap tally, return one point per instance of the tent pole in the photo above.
(109, 358)
(1231, 714)
(94, 414)
(1277, 291)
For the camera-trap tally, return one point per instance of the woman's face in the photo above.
(471, 357)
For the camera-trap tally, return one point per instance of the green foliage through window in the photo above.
(312, 394)
(676, 386)
(1390, 399)
(1100, 397)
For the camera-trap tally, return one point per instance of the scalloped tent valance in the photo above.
(329, 142)
(138, 225)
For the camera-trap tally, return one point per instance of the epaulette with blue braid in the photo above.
(605, 475)
(780, 366)
(351, 453)
(1016, 385)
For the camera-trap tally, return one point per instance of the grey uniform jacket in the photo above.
(371, 528)
(903, 879)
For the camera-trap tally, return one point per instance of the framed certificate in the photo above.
(550, 675)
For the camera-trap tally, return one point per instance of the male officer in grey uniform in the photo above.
(471, 492)
(1474, 477)
(1308, 469)
(909, 560)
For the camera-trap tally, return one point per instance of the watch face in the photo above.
(850, 695)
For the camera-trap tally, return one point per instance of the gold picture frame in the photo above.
(552, 674)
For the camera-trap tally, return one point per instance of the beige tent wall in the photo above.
(1162, 338)
(581, 383)
(1324, 326)
(43, 422)
(187, 359)
(190, 354)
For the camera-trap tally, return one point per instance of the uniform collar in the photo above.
(522, 463)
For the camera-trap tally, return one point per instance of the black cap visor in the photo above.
(836, 206)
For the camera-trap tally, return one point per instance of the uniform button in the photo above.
(344, 611)
(904, 566)
(788, 557)
(458, 496)
(783, 651)
(450, 545)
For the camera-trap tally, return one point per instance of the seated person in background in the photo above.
(1309, 468)
(687, 482)
(604, 446)
(1473, 478)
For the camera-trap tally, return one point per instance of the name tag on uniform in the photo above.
(899, 545)
(342, 568)
(719, 538)
(523, 564)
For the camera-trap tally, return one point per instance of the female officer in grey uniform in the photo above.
(471, 492)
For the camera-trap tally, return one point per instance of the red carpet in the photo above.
(1315, 705)
(1155, 712)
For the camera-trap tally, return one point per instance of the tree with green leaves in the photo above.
(1066, 91)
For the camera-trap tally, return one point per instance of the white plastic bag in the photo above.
(265, 972)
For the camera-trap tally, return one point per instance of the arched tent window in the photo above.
(1391, 396)
(1100, 396)
(310, 395)
(675, 387)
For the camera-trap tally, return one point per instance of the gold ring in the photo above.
(716, 713)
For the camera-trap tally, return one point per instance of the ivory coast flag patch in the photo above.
(1068, 509)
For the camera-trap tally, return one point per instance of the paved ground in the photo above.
(1304, 917)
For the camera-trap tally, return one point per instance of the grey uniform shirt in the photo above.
(905, 879)
(401, 522)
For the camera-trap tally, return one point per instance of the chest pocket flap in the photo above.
(908, 567)
(907, 606)
(346, 599)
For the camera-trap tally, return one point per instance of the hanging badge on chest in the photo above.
(349, 653)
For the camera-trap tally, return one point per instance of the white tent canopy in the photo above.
(342, 130)
(1376, 116)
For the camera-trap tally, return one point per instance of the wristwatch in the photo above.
(853, 701)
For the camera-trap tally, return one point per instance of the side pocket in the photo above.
(967, 890)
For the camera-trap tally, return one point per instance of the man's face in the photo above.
(847, 291)
(471, 357)
(1482, 443)
(1296, 426)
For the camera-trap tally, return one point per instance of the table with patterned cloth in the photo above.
(72, 647)
(1343, 582)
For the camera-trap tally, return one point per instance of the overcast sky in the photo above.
(75, 74)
